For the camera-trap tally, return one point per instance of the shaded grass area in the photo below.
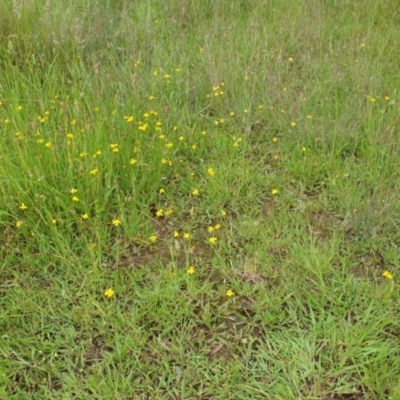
(229, 170)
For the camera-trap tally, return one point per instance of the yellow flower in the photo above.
(132, 161)
(169, 145)
(191, 270)
(169, 212)
(23, 206)
(109, 293)
(18, 224)
(212, 240)
(85, 216)
(223, 213)
(161, 191)
(388, 275)
(54, 221)
(274, 139)
(48, 144)
(229, 293)
(290, 59)
(293, 124)
(72, 191)
(160, 213)
(217, 226)
(309, 116)
(210, 229)
(19, 108)
(116, 222)
(195, 192)
(70, 135)
(231, 113)
(75, 199)
(176, 234)
(113, 145)
(211, 171)
(274, 191)
(304, 149)
(153, 239)
(387, 98)
(94, 171)
(186, 235)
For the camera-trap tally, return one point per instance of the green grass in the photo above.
(270, 127)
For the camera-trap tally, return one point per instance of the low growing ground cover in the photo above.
(199, 200)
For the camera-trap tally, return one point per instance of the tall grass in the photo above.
(199, 200)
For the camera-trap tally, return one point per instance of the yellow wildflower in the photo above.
(153, 239)
(18, 224)
(388, 275)
(116, 222)
(229, 293)
(176, 234)
(191, 270)
(211, 171)
(212, 240)
(85, 216)
(23, 206)
(186, 235)
(132, 161)
(109, 293)
(195, 192)
(274, 191)
(94, 171)
(75, 199)
(160, 213)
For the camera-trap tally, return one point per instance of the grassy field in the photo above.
(199, 200)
